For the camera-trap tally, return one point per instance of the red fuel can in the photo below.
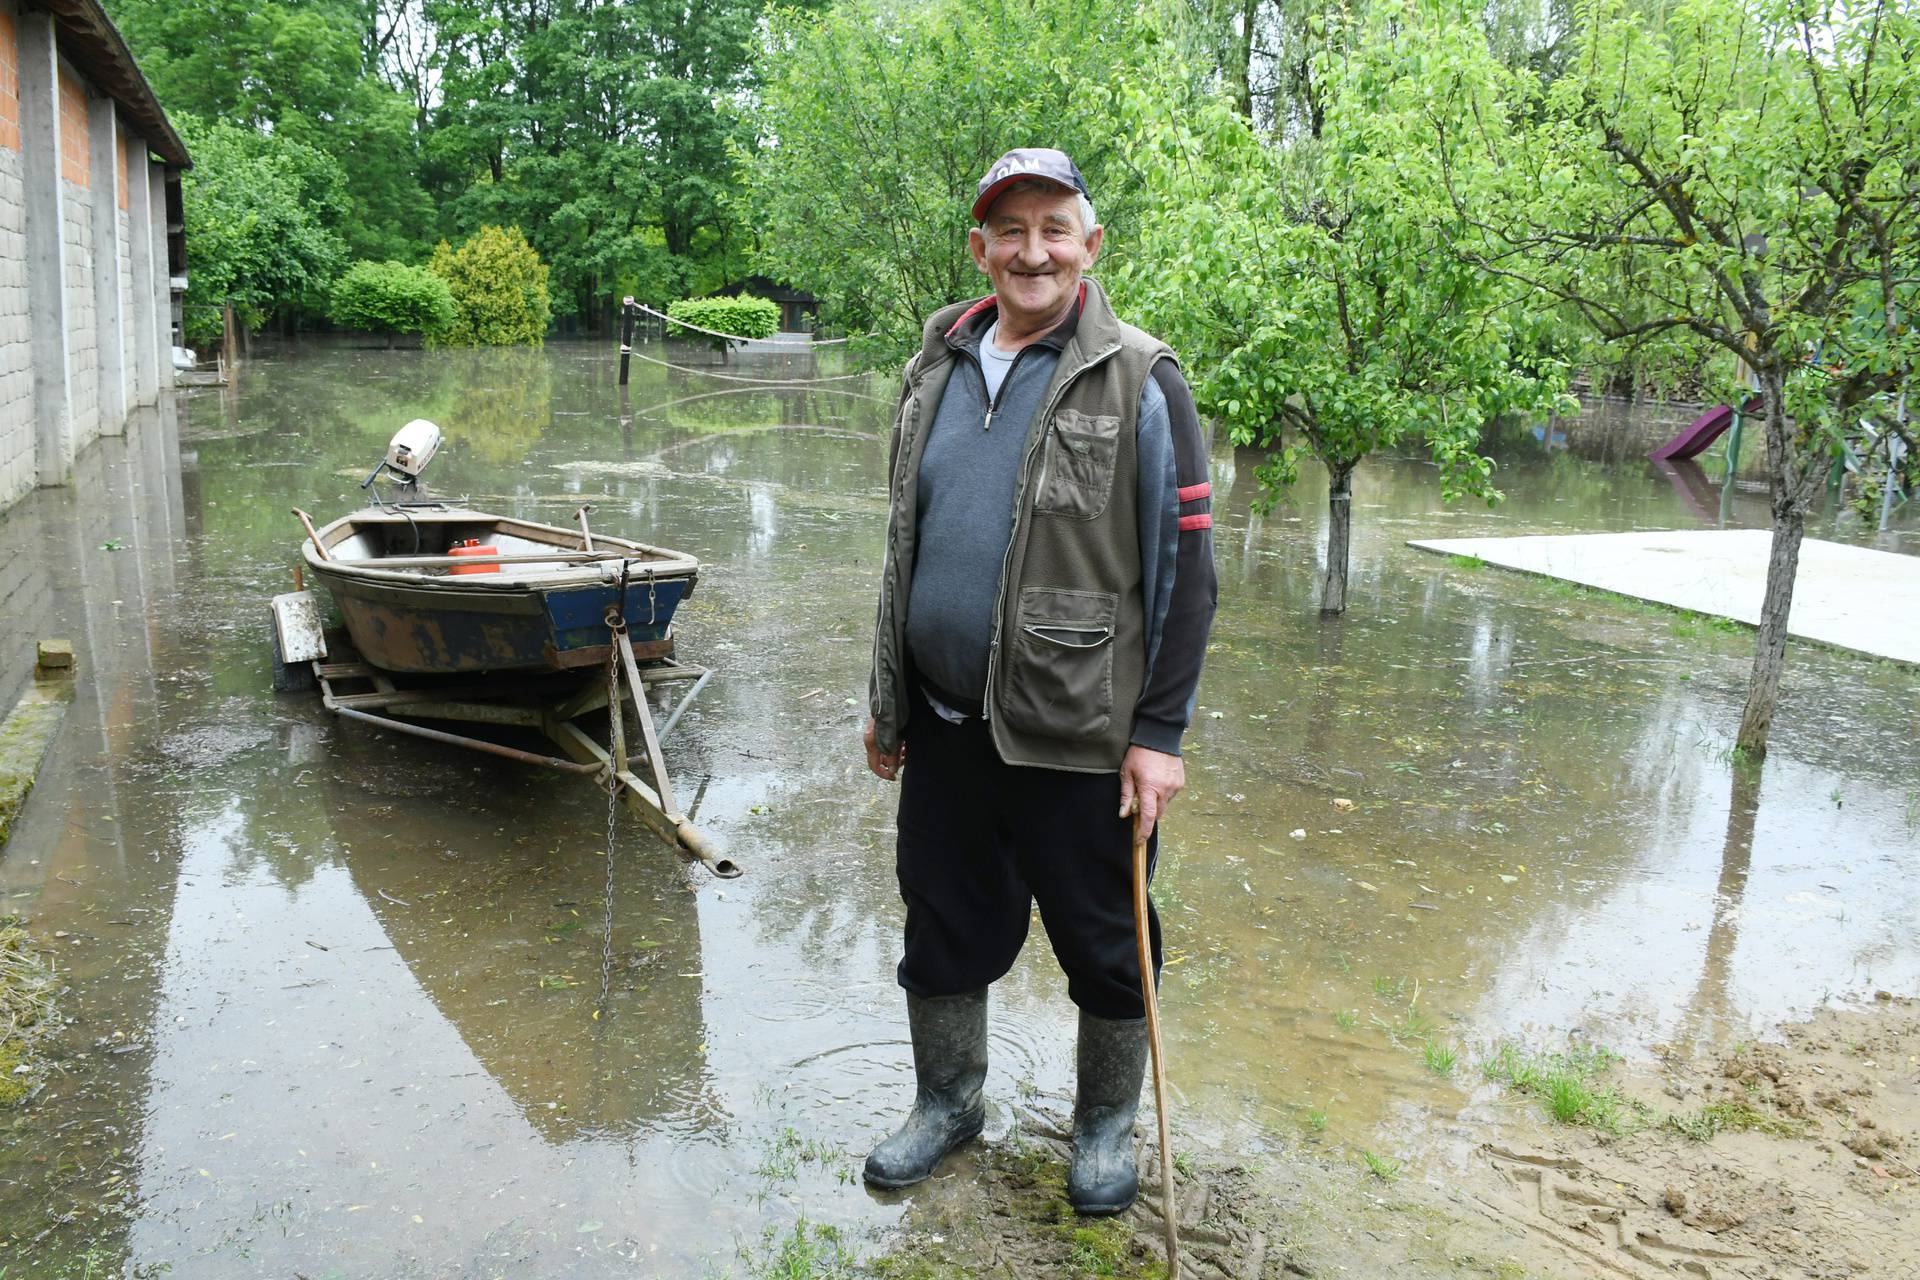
(472, 547)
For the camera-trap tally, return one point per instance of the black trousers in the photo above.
(981, 841)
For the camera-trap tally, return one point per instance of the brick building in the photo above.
(92, 254)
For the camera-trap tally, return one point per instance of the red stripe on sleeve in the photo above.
(1190, 523)
(1193, 492)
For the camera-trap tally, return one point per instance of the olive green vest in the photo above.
(1068, 657)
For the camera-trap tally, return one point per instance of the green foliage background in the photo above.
(667, 150)
(877, 118)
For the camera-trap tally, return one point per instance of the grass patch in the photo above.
(1440, 1058)
(1385, 1168)
(1687, 625)
(805, 1251)
(1411, 1027)
(1344, 1019)
(1731, 1117)
(787, 1152)
(1098, 1252)
(1466, 562)
(1565, 1083)
(26, 1000)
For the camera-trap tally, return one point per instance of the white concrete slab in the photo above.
(1848, 597)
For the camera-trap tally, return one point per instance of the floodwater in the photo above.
(330, 993)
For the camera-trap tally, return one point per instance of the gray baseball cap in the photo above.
(1027, 162)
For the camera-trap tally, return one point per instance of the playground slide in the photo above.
(1702, 431)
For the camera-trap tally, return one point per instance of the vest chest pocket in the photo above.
(1059, 663)
(1079, 462)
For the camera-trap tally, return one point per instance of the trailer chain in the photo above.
(616, 627)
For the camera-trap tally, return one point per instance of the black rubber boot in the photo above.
(1113, 1062)
(949, 1066)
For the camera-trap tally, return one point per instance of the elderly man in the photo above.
(1044, 607)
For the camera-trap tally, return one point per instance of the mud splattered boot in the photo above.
(1113, 1061)
(949, 1066)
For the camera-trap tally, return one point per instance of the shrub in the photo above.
(391, 298)
(744, 316)
(499, 288)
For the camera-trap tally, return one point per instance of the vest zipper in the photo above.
(993, 401)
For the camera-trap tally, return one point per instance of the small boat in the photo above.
(430, 589)
(434, 594)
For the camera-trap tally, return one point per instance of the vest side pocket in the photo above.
(1059, 663)
(1080, 453)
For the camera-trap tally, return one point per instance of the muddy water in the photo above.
(331, 992)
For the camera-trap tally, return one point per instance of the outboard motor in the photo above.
(408, 453)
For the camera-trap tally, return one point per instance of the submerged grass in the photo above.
(1731, 1117)
(1565, 1083)
(804, 1251)
(26, 1000)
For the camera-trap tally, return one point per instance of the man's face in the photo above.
(1034, 250)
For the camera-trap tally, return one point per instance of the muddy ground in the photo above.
(1786, 1159)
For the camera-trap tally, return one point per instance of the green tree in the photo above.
(1315, 289)
(604, 130)
(1752, 173)
(499, 288)
(260, 212)
(878, 118)
(391, 298)
(302, 70)
(1264, 54)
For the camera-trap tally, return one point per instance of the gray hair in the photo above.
(1083, 206)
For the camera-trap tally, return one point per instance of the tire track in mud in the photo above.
(1791, 1159)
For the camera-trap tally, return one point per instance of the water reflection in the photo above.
(356, 974)
(1707, 1010)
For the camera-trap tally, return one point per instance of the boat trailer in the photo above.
(634, 767)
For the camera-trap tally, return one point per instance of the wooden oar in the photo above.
(306, 522)
(1167, 1207)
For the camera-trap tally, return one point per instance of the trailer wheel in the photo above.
(295, 677)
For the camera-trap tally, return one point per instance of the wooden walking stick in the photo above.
(1167, 1207)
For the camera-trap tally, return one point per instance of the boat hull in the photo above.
(442, 631)
(406, 619)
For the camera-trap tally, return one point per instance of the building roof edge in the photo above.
(90, 41)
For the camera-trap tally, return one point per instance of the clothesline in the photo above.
(769, 342)
(760, 382)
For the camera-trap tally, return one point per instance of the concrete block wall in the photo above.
(124, 267)
(83, 335)
(16, 350)
(80, 346)
(125, 275)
